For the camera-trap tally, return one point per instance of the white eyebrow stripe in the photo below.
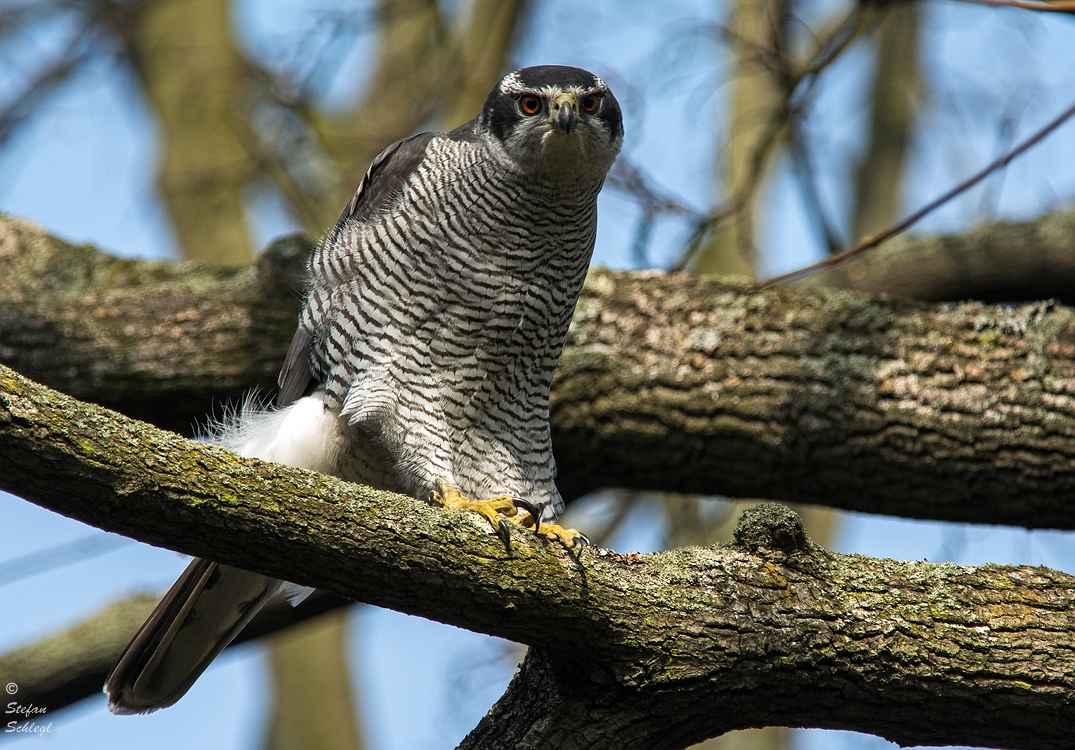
(550, 91)
(512, 85)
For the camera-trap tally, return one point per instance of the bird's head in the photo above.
(554, 118)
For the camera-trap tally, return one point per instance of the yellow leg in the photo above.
(497, 510)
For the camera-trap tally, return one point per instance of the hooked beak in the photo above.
(565, 114)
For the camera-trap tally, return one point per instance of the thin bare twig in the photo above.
(49, 78)
(751, 185)
(799, 83)
(839, 39)
(873, 241)
(1057, 6)
(654, 202)
(627, 177)
(805, 173)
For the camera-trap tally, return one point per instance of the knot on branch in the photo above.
(771, 526)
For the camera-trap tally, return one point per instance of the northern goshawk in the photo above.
(434, 317)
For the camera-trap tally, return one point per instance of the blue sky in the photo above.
(84, 168)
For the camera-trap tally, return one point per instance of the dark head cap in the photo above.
(529, 103)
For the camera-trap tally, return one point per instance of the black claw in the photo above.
(582, 541)
(530, 508)
(504, 532)
(431, 498)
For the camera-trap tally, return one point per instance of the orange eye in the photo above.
(590, 103)
(530, 105)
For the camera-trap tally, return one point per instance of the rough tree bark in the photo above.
(953, 412)
(637, 651)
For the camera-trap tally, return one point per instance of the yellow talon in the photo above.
(570, 538)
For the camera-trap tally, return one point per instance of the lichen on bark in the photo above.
(657, 650)
(961, 412)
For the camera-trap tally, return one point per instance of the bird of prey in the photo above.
(434, 317)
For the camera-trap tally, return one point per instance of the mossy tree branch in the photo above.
(59, 669)
(954, 412)
(654, 651)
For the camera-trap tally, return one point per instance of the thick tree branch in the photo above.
(953, 412)
(961, 413)
(159, 341)
(655, 651)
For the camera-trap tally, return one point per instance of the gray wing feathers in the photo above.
(200, 615)
(382, 182)
(379, 188)
(465, 132)
(295, 375)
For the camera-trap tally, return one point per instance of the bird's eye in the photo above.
(530, 105)
(590, 103)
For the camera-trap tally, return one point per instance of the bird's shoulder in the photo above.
(385, 176)
(390, 170)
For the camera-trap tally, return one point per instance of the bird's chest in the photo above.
(508, 292)
(503, 339)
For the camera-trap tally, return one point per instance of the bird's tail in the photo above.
(200, 615)
(210, 603)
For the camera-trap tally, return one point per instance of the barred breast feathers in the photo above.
(448, 302)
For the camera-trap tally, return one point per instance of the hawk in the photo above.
(435, 313)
